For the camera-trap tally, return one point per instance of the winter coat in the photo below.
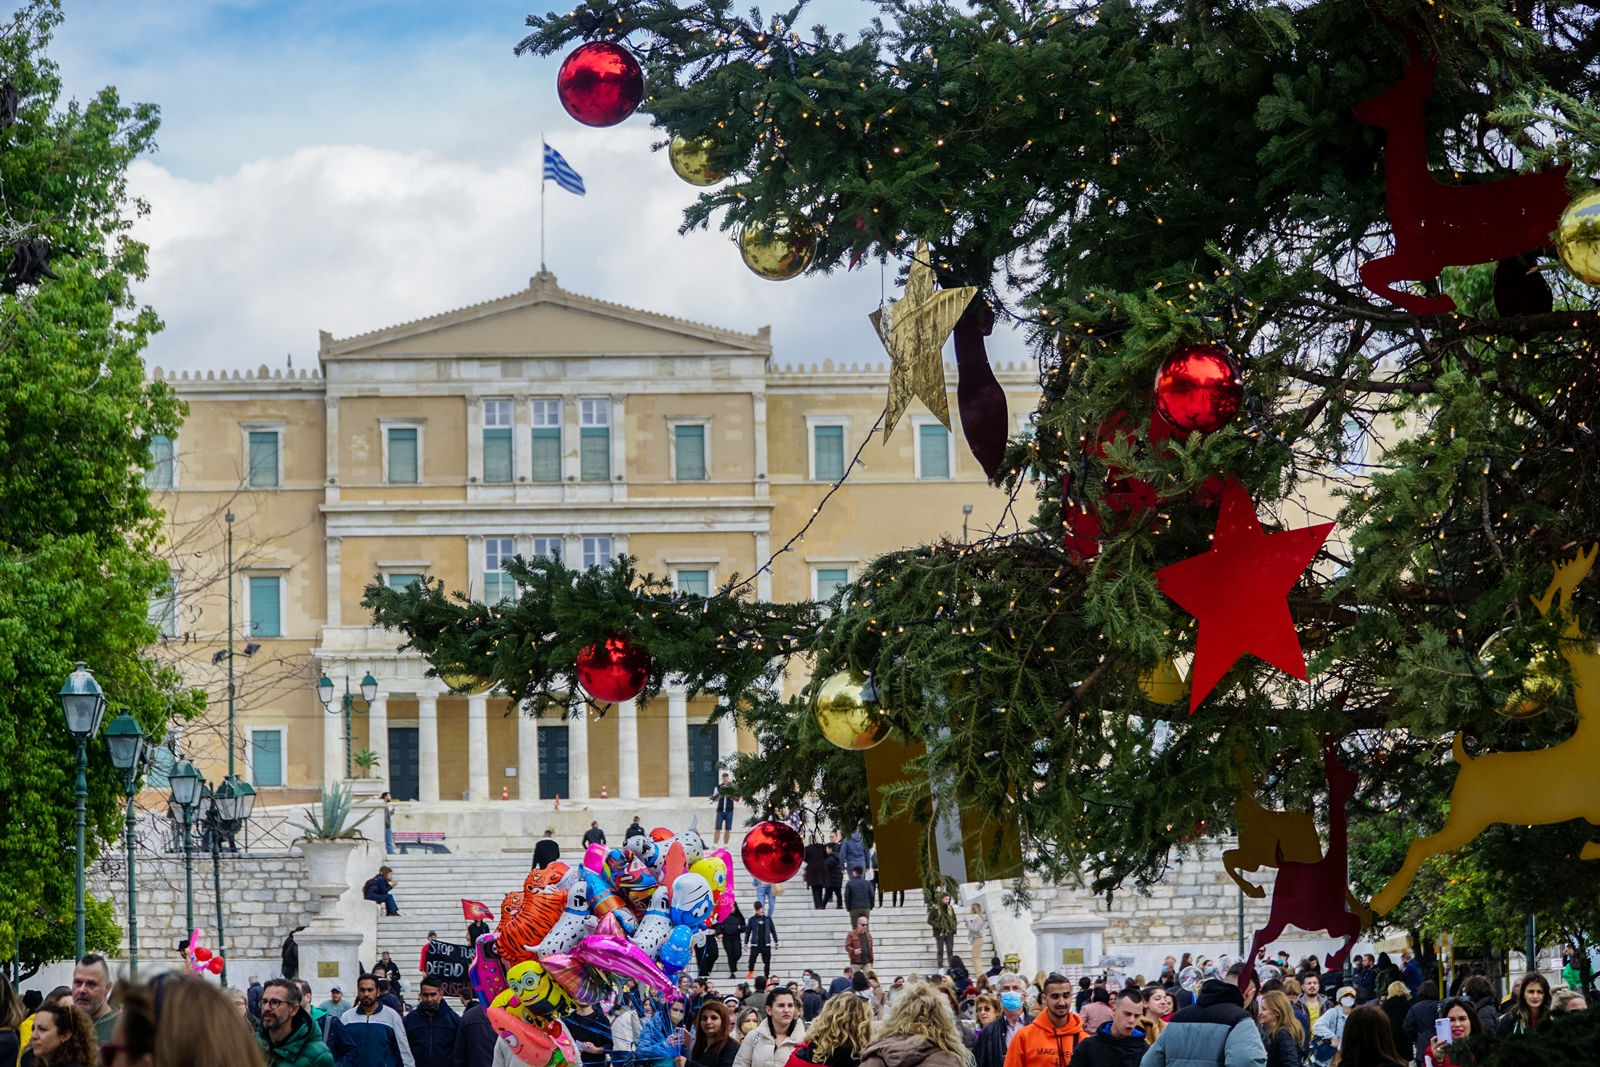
(835, 871)
(1488, 1013)
(810, 1004)
(475, 1039)
(990, 1049)
(942, 918)
(1396, 1008)
(1411, 975)
(760, 932)
(1418, 1025)
(336, 1037)
(723, 1057)
(1215, 1031)
(852, 853)
(1095, 1015)
(858, 894)
(1281, 1049)
(763, 1048)
(858, 946)
(433, 1037)
(816, 856)
(380, 1038)
(731, 930)
(545, 852)
(377, 888)
(1331, 1025)
(302, 1048)
(1042, 1044)
(907, 1051)
(1103, 1050)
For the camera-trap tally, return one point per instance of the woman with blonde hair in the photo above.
(1280, 1030)
(838, 1034)
(179, 1020)
(919, 1032)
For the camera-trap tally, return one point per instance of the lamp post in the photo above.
(185, 783)
(966, 513)
(369, 693)
(126, 741)
(84, 705)
(230, 646)
(226, 809)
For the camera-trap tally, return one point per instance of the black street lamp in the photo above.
(369, 693)
(126, 741)
(226, 809)
(185, 783)
(84, 705)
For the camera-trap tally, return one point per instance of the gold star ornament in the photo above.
(913, 329)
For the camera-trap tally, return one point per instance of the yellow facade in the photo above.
(542, 421)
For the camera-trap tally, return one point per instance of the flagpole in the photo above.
(542, 182)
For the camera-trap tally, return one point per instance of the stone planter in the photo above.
(327, 861)
(365, 788)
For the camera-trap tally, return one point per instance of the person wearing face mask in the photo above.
(1330, 1027)
(995, 1038)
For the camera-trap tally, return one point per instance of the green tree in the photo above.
(1117, 179)
(77, 530)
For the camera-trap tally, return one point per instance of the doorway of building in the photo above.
(702, 759)
(403, 762)
(553, 762)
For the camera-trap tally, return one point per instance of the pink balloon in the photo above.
(621, 957)
(594, 858)
(725, 902)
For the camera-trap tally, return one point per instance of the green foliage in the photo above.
(335, 803)
(1119, 179)
(366, 759)
(77, 530)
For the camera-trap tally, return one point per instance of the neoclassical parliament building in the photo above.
(540, 422)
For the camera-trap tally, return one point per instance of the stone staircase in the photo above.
(429, 889)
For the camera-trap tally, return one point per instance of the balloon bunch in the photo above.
(576, 935)
(201, 958)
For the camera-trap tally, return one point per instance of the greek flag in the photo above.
(558, 170)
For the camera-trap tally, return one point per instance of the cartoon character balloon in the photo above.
(487, 974)
(536, 992)
(694, 846)
(715, 872)
(691, 900)
(678, 950)
(656, 926)
(727, 900)
(574, 925)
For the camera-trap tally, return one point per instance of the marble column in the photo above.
(428, 747)
(333, 741)
(578, 752)
(727, 739)
(628, 749)
(527, 757)
(677, 741)
(378, 736)
(478, 747)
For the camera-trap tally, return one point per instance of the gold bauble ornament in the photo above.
(465, 682)
(1578, 237)
(779, 250)
(1163, 684)
(848, 712)
(1531, 691)
(691, 160)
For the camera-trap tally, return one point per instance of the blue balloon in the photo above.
(677, 951)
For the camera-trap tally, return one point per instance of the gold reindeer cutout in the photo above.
(1268, 837)
(1493, 787)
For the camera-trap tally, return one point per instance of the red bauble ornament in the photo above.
(1199, 388)
(600, 83)
(772, 851)
(614, 670)
(1238, 592)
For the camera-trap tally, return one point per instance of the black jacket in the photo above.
(1418, 1024)
(433, 1036)
(760, 932)
(858, 893)
(810, 1004)
(990, 1051)
(1103, 1050)
(1396, 1008)
(1281, 1049)
(633, 830)
(835, 870)
(545, 852)
(475, 1039)
(816, 856)
(731, 930)
(723, 1057)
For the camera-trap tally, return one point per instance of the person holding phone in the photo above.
(1458, 1020)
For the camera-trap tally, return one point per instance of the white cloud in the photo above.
(249, 266)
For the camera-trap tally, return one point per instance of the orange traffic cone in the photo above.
(505, 793)
(602, 791)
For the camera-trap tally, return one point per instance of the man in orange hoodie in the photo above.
(1053, 1036)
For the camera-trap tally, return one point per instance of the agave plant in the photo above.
(336, 804)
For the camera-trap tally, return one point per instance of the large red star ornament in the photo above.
(1239, 592)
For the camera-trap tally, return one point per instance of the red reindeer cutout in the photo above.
(1313, 896)
(1437, 225)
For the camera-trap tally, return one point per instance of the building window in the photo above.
(689, 452)
(933, 451)
(549, 547)
(594, 440)
(266, 757)
(497, 584)
(264, 467)
(827, 581)
(497, 465)
(399, 582)
(546, 441)
(697, 583)
(596, 551)
(403, 467)
(159, 474)
(164, 610)
(827, 455)
(266, 606)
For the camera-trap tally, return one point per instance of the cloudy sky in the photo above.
(346, 166)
